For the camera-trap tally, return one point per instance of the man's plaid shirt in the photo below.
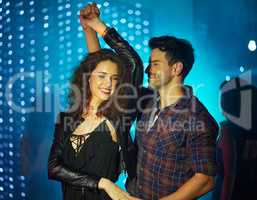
(173, 145)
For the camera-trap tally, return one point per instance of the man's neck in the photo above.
(170, 93)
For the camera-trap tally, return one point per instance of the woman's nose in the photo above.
(108, 82)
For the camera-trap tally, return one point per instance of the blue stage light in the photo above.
(68, 5)
(114, 22)
(138, 46)
(227, 78)
(21, 12)
(124, 34)
(130, 25)
(252, 45)
(241, 69)
(106, 4)
(123, 20)
(130, 11)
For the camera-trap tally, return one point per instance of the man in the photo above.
(176, 134)
(176, 140)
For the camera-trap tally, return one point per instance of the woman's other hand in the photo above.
(114, 191)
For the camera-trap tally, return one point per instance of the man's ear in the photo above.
(178, 68)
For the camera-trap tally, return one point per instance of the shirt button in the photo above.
(141, 168)
(144, 151)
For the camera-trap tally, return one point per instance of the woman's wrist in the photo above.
(105, 31)
(99, 26)
(103, 183)
(87, 29)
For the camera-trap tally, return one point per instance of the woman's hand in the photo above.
(89, 18)
(114, 191)
(89, 12)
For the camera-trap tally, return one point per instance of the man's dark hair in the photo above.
(176, 50)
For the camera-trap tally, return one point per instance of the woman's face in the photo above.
(103, 80)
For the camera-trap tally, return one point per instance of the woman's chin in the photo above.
(105, 97)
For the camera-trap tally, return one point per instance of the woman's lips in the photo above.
(105, 91)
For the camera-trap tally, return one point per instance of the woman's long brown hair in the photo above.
(80, 80)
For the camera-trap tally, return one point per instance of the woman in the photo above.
(85, 153)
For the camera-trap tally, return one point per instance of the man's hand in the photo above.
(88, 13)
(89, 18)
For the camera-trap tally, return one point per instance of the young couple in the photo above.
(175, 139)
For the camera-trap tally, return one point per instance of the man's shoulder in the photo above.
(146, 93)
(203, 114)
(197, 106)
(147, 98)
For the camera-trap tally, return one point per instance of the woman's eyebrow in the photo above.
(105, 73)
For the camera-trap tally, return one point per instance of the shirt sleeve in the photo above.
(202, 145)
